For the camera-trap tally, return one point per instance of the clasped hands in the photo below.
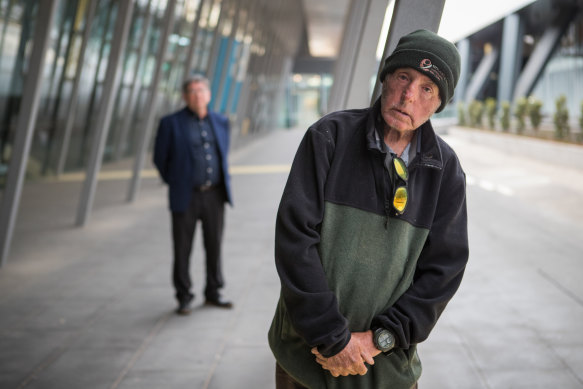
(351, 360)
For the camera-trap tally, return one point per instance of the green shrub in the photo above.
(534, 112)
(505, 116)
(491, 112)
(520, 114)
(461, 114)
(476, 110)
(561, 118)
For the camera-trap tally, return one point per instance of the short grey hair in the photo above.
(196, 78)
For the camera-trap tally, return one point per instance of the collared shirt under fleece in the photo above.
(348, 262)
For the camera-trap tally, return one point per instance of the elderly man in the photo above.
(371, 233)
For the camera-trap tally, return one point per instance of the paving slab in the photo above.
(93, 307)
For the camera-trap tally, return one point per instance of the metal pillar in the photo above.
(129, 114)
(25, 127)
(249, 71)
(103, 120)
(191, 48)
(409, 16)
(72, 107)
(481, 75)
(150, 108)
(357, 61)
(510, 56)
(205, 34)
(216, 40)
(17, 78)
(72, 13)
(223, 69)
(240, 67)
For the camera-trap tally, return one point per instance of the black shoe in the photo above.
(184, 307)
(219, 303)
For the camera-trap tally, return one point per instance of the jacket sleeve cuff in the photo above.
(333, 349)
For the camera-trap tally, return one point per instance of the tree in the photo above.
(476, 110)
(491, 112)
(505, 116)
(561, 118)
(534, 112)
(520, 114)
(461, 114)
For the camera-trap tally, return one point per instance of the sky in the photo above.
(463, 17)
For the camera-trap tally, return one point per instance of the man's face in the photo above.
(197, 96)
(408, 99)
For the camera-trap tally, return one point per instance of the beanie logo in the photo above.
(427, 66)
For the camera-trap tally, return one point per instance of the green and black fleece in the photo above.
(347, 263)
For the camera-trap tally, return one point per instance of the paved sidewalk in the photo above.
(93, 307)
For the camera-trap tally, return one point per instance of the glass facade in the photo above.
(563, 75)
(222, 39)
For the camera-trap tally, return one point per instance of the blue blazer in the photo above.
(173, 155)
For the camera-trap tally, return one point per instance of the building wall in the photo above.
(226, 40)
(563, 75)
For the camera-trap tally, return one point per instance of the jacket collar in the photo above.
(427, 153)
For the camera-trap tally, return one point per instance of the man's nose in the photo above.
(409, 92)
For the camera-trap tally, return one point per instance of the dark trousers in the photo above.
(286, 381)
(208, 207)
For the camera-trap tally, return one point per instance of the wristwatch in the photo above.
(383, 339)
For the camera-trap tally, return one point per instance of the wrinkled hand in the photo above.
(351, 360)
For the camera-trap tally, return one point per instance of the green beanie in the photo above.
(431, 55)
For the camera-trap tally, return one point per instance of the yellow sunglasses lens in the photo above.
(400, 199)
(400, 168)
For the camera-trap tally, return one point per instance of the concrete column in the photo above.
(464, 48)
(346, 62)
(25, 126)
(409, 16)
(510, 56)
(366, 22)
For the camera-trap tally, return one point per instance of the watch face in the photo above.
(385, 340)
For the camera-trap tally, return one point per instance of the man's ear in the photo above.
(438, 105)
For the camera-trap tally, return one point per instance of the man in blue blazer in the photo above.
(191, 155)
